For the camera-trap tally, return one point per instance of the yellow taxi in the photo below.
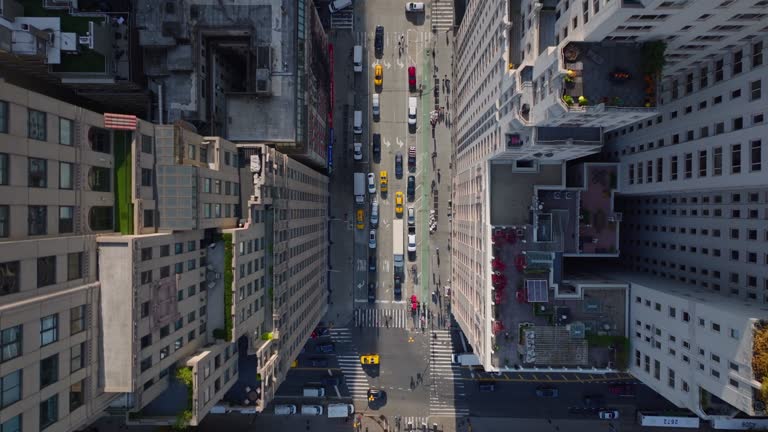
(369, 359)
(383, 181)
(378, 75)
(360, 219)
(295, 363)
(399, 203)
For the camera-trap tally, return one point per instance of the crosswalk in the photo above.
(442, 14)
(391, 318)
(420, 38)
(447, 396)
(413, 423)
(343, 20)
(354, 376)
(341, 335)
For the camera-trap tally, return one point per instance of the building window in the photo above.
(755, 155)
(9, 277)
(77, 357)
(99, 179)
(717, 161)
(703, 163)
(65, 131)
(146, 144)
(146, 363)
(755, 90)
(100, 140)
(38, 173)
(146, 177)
(3, 117)
(688, 165)
(4, 169)
(673, 168)
(36, 125)
(49, 411)
(191, 154)
(10, 343)
(46, 271)
(49, 329)
(65, 175)
(76, 395)
(76, 319)
(671, 378)
(100, 218)
(10, 389)
(203, 154)
(735, 158)
(757, 54)
(5, 228)
(49, 370)
(11, 425)
(74, 266)
(149, 218)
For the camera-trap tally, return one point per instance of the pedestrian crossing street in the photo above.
(390, 318)
(413, 423)
(349, 363)
(420, 38)
(447, 396)
(442, 14)
(343, 20)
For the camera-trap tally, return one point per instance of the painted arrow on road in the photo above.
(386, 143)
(400, 142)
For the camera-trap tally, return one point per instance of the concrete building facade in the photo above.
(134, 281)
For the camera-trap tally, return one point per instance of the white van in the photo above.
(285, 409)
(337, 5)
(357, 126)
(376, 107)
(315, 410)
(340, 410)
(314, 392)
(357, 58)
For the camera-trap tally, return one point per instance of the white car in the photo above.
(337, 5)
(371, 183)
(372, 239)
(412, 111)
(608, 415)
(412, 241)
(411, 217)
(414, 7)
(374, 214)
(358, 151)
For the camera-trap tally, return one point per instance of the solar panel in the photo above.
(537, 290)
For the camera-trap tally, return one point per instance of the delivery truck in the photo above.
(465, 359)
(397, 244)
(340, 410)
(359, 188)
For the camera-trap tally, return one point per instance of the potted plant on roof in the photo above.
(568, 99)
(583, 100)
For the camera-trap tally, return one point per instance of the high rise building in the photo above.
(147, 269)
(666, 99)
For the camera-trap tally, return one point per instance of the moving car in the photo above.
(399, 165)
(375, 394)
(337, 5)
(372, 239)
(360, 217)
(412, 158)
(326, 347)
(371, 292)
(608, 415)
(318, 362)
(398, 287)
(547, 392)
(372, 263)
(411, 190)
(383, 181)
(411, 240)
(411, 216)
(376, 145)
(369, 359)
(358, 151)
(412, 77)
(399, 203)
(412, 104)
(374, 214)
(376, 107)
(371, 183)
(378, 41)
(414, 7)
(378, 75)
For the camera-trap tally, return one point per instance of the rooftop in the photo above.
(511, 191)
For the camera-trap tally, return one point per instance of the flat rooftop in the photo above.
(511, 191)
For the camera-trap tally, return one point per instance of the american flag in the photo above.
(120, 121)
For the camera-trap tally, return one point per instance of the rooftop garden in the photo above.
(69, 23)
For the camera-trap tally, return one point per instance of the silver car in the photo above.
(411, 216)
(374, 214)
(372, 239)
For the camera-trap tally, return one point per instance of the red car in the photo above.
(412, 76)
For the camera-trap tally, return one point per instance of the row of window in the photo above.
(10, 272)
(48, 409)
(706, 164)
(734, 233)
(165, 250)
(735, 198)
(99, 178)
(214, 210)
(99, 219)
(12, 341)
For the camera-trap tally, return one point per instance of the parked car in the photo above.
(399, 203)
(376, 145)
(371, 263)
(383, 181)
(372, 239)
(412, 158)
(411, 243)
(412, 77)
(399, 165)
(398, 287)
(325, 347)
(371, 292)
(487, 386)
(411, 216)
(414, 7)
(358, 151)
(378, 41)
(547, 392)
(376, 106)
(318, 362)
(374, 214)
(378, 75)
(608, 414)
(411, 190)
(371, 183)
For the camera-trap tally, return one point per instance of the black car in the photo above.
(375, 394)
(411, 187)
(376, 145)
(333, 380)
(326, 347)
(379, 41)
(318, 362)
(399, 165)
(488, 386)
(371, 293)
(398, 287)
(372, 263)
